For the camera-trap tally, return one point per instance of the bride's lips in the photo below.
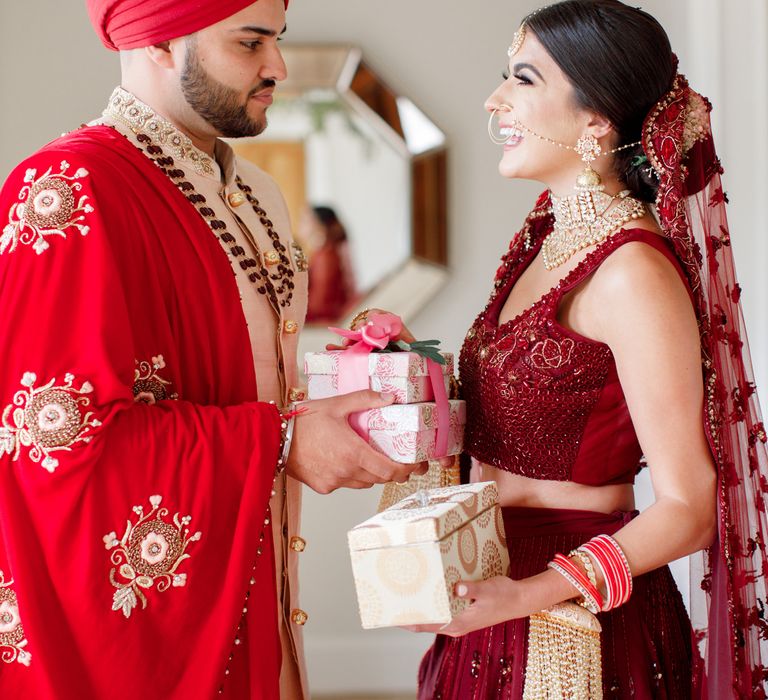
(515, 136)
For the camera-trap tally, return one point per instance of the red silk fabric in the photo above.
(148, 278)
(133, 24)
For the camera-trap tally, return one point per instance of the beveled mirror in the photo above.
(363, 171)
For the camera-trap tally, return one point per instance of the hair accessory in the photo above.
(517, 41)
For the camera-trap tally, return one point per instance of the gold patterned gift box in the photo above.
(407, 559)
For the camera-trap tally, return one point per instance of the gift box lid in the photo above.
(414, 417)
(427, 516)
(380, 364)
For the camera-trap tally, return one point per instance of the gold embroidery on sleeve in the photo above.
(12, 639)
(148, 386)
(149, 553)
(46, 420)
(48, 206)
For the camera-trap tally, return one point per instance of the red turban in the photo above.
(133, 24)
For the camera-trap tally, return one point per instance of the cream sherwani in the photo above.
(273, 327)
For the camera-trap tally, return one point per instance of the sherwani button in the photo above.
(236, 199)
(290, 327)
(298, 544)
(271, 258)
(299, 617)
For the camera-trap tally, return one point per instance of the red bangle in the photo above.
(576, 577)
(615, 569)
(617, 554)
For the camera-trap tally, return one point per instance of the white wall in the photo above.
(447, 57)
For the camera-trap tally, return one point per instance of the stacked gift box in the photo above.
(405, 431)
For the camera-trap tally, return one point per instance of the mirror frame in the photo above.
(342, 69)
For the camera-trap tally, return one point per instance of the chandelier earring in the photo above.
(589, 216)
(589, 148)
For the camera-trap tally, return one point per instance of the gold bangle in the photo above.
(583, 557)
(360, 316)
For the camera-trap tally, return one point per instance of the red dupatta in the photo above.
(136, 464)
(728, 583)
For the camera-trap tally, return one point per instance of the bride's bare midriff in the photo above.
(522, 491)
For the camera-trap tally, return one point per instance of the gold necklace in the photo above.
(584, 219)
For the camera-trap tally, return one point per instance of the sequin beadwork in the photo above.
(543, 401)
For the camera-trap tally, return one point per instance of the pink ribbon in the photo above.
(376, 334)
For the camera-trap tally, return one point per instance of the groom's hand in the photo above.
(327, 454)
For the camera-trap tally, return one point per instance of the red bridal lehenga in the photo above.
(546, 403)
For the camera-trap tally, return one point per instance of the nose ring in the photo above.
(496, 139)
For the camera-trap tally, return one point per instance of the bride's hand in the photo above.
(493, 601)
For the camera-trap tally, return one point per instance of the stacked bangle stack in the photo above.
(613, 566)
(592, 600)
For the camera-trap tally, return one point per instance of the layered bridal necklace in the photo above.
(584, 219)
(590, 215)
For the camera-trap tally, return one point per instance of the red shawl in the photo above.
(135, 463)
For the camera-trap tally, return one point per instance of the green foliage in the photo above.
(426, 348)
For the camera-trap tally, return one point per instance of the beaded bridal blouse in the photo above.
(543, 401)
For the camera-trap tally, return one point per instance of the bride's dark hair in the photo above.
(620, 63)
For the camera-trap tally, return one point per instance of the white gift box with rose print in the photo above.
(407, 559)
(403, 374)
(407, 433)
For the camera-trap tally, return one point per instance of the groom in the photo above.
(152, 300)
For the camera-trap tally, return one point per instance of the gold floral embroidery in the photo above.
(46, 420)
(141, 119)
(551, 354)
(12, 639)
(149, 553)
(148, 386)
(48, 206)
(300, 257)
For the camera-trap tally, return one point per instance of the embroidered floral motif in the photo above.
(48, 206)
(300, 258)
(148, 386)
(12, 639)
(46, 420)
(552, 354)
(149, 553)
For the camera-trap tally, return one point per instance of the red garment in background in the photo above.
(330, 285)
(104, 265)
